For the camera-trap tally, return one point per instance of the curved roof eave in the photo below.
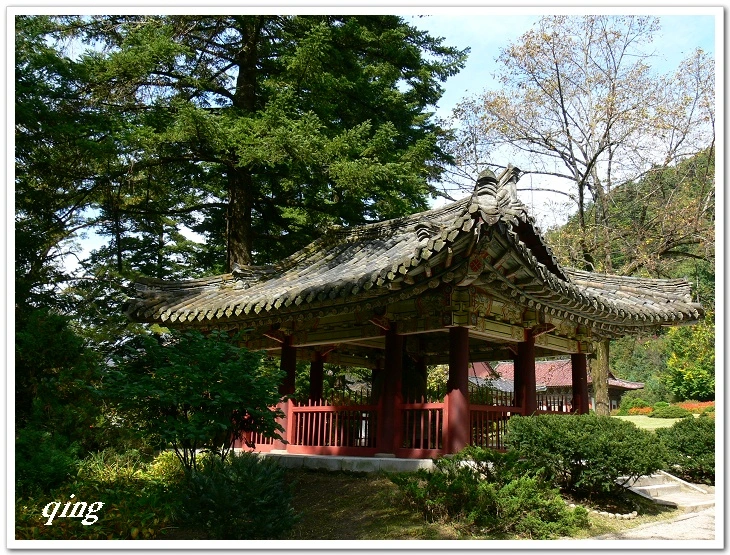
(370, 261)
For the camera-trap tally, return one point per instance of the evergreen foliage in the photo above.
(691, 447)
(585, 453)
(244, 497)
(259, 132)
(495, 491)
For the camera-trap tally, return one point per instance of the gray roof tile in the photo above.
(369, 261)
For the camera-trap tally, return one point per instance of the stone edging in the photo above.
(618, 516)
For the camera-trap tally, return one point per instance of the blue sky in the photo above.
(488, 30)
(486, 33)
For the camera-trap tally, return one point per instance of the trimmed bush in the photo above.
(672, 411)
(691, 449)
(660, 404)
(584, 453)
(491, 490)
(640, 410)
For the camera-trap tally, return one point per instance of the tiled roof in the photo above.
(482, 370)
(501, 384)
(557, 373)
(366, 264)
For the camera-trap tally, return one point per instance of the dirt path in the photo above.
(689, 526)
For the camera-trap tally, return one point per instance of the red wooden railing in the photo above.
(260, 442)
(320, 428)
(489, 423)
(422, 430)
(349, 425)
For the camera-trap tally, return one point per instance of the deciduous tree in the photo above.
(691, 363)
(579, 102)
(194, 392)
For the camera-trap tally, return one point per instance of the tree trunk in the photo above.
(239, 220)
(587, 261)
(599, 377)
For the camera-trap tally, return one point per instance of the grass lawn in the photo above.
(647, 423)
(354, 506)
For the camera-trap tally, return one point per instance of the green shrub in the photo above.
(42, 461)
(710, 409)
(629, 401)
(529, 509)
(109, 465)
(672, 411)
(584, 453)
(140, 499)
(243, 497)
(660, 404)
(691, 447)
(462, 487)
(133, 509)
(491, 490)
(166, 467)
(193, 392)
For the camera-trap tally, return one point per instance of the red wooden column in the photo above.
(580, 382)
(457, 424)
(316, 377)
(391, 395)
(519, 387)
(422, 377)
(526, 397)
(287, 386)
(288, 366)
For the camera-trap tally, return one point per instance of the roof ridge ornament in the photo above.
(509, 179)
(496, 197)
(485, 177)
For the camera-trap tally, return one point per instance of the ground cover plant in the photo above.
(492, 492)
(243, 497)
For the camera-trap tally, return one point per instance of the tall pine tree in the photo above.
(261, 131)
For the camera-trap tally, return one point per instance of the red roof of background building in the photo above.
(482, 370)
(552, 373)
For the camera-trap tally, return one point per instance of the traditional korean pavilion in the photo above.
(469, 282)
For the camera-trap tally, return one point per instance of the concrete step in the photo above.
(658, 490)
(693, 505)
(664, 489)
(652, 480)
